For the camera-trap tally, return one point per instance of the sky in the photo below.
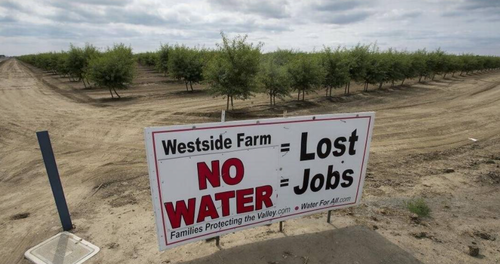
(455, 26)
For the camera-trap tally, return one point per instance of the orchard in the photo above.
(237, 69)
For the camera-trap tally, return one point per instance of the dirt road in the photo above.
(419, 132)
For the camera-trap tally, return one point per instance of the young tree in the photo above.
(358, 58)
(186, 64)
(162, 59)
(113, 69)
(274, 78)
(397, 66)
(305, 73)
(336, 68)
(75, 63)
(233, 70)
(376, 69)
(78, 61)
(147, 58)
(419, 63)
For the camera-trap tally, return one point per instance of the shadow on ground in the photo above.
(356, 244)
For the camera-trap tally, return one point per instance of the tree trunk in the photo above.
(270, 98)
(349, 88)
(84, 85)
(303, 95)
(227, 104)
(420, 79)
(110, 92)
(88, 82)
(444, 76)
(186, 83)
(331, 88)
(232, 105)
(379, 86)
(345, 89)
(191, 84)
(392, 85)
(274, 99)
(403, 82)
(116, 93)
(298, 95)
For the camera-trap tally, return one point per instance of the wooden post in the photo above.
(223, 116)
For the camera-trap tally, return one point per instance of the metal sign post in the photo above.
(54, 179)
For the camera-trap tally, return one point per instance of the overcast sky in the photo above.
(457, 26)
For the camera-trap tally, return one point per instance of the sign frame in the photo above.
(155, 181)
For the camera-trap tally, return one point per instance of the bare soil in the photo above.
(423, 146)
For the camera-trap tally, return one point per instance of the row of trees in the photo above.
(236, 69)
(113, 68)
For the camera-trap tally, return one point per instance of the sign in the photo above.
(215, 178)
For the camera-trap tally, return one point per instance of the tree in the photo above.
(113, 69)
(376, 68)
(336, 67)
(305, 74)
(147, 58)
(78, 61)
(419, 63)
(162, 59)
(397, 66)
(186, 64)
(274, 78)
(233, 70)
(358, 58)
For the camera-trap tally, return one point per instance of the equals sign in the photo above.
(285, 147)
(284, 182)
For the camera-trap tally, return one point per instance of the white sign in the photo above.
(216, 178)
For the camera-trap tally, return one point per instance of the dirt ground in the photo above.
(421, 147)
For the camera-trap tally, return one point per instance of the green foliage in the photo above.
(336, 68)
(186, 64)
(306, 74)
(233, 70)
(147, 58)
(273, 77)
(113, 69)
(162, 59)
(418, 206)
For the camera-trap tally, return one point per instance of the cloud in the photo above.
(342, 19)
(337, 12)
(486, 8)
(263, 8)
(44, 25)
(481, 4)
(336, 6)
(400, 14)
(94, 2)
(40, 31)
(7, 19)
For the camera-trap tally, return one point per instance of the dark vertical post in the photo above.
(281, 226)
(55, 181)
(217, 241)
(329, 216)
